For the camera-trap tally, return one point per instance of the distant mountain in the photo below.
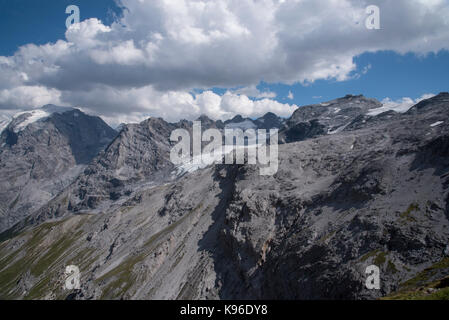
(269, 121)
(120, 127)
(139, 154)
(325, 118)
(437, 103)
(41, 152)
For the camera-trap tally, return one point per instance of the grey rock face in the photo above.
(269, 121)
(40, 160)
(140, 155)
(325, 118)
(373, 193)
(435, 104)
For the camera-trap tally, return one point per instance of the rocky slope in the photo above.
(372, 190)
(41, 152)
(137, 158)
(325, 118)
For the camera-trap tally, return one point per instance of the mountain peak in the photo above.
(22, 119)
(269, 121)
(269, 115)
(54, 108)
(204, 119)
(440, 100)
(443, 95)
(353, 96)
(238, 118)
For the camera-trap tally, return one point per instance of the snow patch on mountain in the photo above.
(25, 118)
(400, 106)
(339, 129)
(192, 164)
(436, 123)
(397, 108)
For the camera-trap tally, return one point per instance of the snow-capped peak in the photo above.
(22, 119)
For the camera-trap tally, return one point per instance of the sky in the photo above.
(127, 60)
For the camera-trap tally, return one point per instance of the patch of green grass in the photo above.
(443, 264)
(415, 281)
(7, 259)
(380, 259)
(406, 215)
(9, 277)
(54, 254)
(39, 290)
(369, 255)
(442, 294)
(13, 266)
(417, 288)
(84, 259)
(391, 267)
(123, 275)
(123, 278)
(32, 257)
(433, 291)
(424, 276)
(38, 234)
(326, 237)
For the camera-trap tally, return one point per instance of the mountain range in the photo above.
(357, 185)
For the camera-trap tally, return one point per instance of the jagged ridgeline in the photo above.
(357, 185)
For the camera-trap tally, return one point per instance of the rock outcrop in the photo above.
(42, 156)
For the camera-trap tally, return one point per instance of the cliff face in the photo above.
(325, 118)
(374, 192)
(41, 152)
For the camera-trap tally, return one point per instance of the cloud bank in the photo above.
(153, 60)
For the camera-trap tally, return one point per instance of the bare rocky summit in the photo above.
(326, 118)
(41, 152)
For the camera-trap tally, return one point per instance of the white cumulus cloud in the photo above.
(401, 105)
(160, 51)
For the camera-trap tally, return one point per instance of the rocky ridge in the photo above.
(351, 191)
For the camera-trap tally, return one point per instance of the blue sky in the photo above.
(389, 75)
(43, 21)
(384, 73)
